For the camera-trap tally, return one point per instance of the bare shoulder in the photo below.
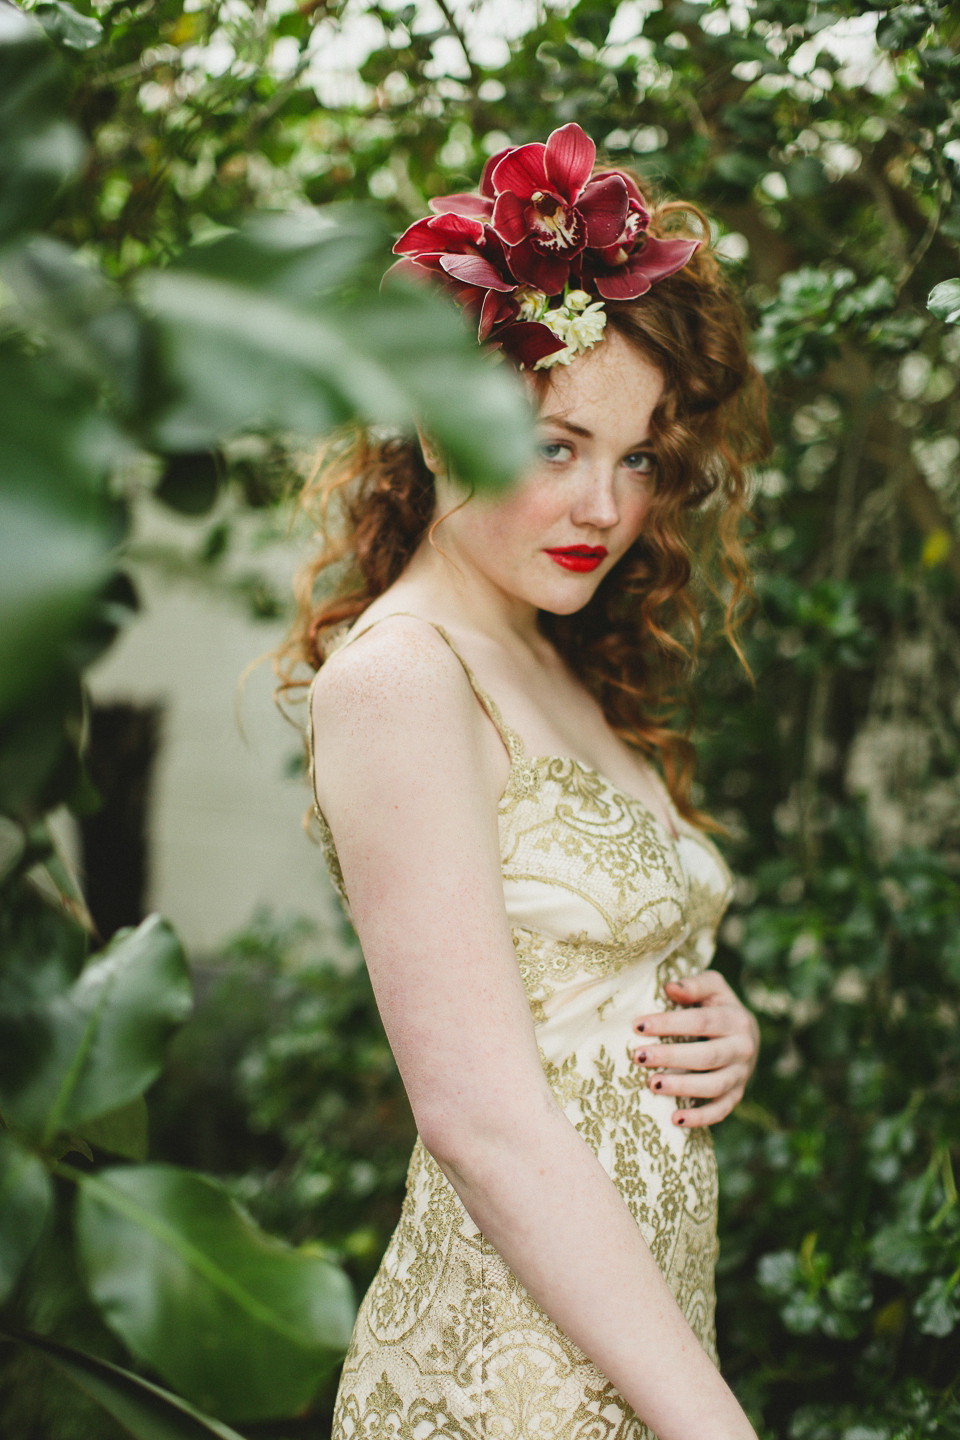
(401, 667)
(395, 696)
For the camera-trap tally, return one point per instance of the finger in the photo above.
(696, 1055)
(700, 1115)
(694, 989)
(710, 1020)
(710, 1085)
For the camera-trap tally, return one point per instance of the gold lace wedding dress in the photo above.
(605, 907)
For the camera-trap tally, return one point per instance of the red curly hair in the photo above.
(633, 643)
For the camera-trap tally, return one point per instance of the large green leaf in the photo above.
(124, 1131)
(255, 334)
(96, 332)
(39, 149)
(58, 527)
(239, 1322)
(25, 1195)
(147, 1411)
(102, 1041)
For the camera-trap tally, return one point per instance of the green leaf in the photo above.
(241, 1323)
(805, 178)
(39, 148)
(25, 1197)
(944, 301)
(254, 335)
(62, 22)
(96, 333)
(938, 1308)
(120, 1132)
(101, 1043)
(146, 1410)
(58, 527)
(904, 27)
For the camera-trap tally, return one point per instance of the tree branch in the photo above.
(458, 34)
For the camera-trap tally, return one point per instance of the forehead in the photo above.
(609, 389)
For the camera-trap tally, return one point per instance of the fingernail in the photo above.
(641, 1057)
(658, 1084)
(639, 1026)
(680, 1120)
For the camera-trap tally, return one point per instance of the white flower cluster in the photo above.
(579, 322)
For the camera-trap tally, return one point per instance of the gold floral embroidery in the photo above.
(448, 1345)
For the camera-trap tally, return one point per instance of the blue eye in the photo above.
(641, 462)
(554, 450)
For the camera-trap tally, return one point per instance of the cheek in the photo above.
(634, 509)
(522, 516)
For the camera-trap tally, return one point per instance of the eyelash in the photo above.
(642, 455)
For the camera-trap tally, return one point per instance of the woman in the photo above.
(535, 905)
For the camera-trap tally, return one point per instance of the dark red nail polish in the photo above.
(680, 1120)
(658, 1084)
(640, 1057)
(639, 1026)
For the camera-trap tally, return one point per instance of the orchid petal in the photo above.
(521, 170)
(622, 284)
(568, 157)
(454, 226)
(486, 179)
(660, 258)
(528, 342)
(657, 260)
(474, 270)
(496, 309)
(415, 238)
(474, 207)
(633, 190)
(435, 232)
(603, 206)
(407, 268)
(530, 266)
(511, 218)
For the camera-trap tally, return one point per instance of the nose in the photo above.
(596, 500)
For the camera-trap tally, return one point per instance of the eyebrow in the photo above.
(586, 434)
(566, 425)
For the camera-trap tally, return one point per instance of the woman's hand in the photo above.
(718, 1055)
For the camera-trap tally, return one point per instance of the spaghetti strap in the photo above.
(511, 740)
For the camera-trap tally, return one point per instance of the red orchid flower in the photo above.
(469, 259)
(547, 209)
(636, 260)
(542, 220)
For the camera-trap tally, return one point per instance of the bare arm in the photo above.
(408, 781)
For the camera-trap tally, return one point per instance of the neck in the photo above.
(443, 577)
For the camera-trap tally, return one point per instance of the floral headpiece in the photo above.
(537, 252)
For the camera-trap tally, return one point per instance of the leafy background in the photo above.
(162, 252)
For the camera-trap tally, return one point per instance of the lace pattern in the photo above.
(606, 906)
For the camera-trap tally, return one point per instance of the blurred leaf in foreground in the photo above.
(241, 1323)
(145, 1410)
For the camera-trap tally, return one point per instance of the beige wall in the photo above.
(226, 832)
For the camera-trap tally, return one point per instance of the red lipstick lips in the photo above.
(579, 557)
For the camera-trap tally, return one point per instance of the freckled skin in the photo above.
(409, 773)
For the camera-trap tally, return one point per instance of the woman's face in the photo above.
(552, 537)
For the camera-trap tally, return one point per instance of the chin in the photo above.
(567, 599)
